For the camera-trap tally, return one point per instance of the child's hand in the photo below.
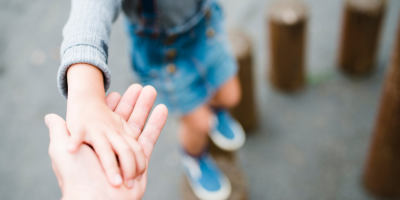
(108, 132)
(90, 120)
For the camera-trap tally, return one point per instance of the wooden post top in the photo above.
(288, 12)
(372, 7)
(241, 44)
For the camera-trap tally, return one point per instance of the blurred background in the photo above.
(308, 145)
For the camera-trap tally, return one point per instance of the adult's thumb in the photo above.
(56, 125)
(51, 119)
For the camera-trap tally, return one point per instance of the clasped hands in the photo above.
(81, 174)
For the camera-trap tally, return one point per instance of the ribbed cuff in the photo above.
(82, 54)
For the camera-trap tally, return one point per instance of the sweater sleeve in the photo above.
(86, 37)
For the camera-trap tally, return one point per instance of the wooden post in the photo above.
(382, 173)
(229, 165)
(287, 34)
(360, 35)
(245, 111)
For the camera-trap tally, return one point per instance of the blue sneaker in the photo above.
(226, 133)
(205, 178)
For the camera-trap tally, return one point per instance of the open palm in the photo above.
(80, 175)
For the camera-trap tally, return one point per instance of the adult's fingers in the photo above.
(107, 159)
(128, 101)
(112, 100)
(142, 109)
(126, 158)
(153, 129)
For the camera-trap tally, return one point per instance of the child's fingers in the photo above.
(112, 100)
(126, 157)
(107, 159)
(142, 109)
(141, 162)
(153, 129)
(76, 139)
(128, 130)
(128, 101)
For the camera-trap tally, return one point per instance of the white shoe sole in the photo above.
(229, 144)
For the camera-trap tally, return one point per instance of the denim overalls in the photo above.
(186, 67)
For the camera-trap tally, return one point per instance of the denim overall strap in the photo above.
(148, 12)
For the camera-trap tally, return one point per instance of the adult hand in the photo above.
(80, 175)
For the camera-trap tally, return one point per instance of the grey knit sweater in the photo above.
(87, 32)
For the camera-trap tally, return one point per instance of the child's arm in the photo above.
(86, 37)
(89, 119)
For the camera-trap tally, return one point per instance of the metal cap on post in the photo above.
(362, 21)
(287, 34)
(382, 172)
(245, 111)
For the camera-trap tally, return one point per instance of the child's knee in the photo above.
(230, 94)
(233, 99)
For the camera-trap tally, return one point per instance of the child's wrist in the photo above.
(82, 97)
(85, 82)
(83, 102)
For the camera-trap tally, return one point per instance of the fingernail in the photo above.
(71, 147)
(117, 179)
(130, 183)
(139, 177)
(47, 119)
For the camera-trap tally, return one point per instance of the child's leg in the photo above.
(196, 125)
(194, 130)
(229, 94)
